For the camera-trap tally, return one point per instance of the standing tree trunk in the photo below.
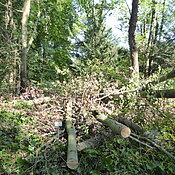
(10, 48)
(152, 25)
(23, 73)
(162, 21)
(151, 39)
(132, 41)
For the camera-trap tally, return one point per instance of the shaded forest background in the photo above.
(53, 51)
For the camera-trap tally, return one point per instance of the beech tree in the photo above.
(132, 40)
(23, 72)
(9, 44)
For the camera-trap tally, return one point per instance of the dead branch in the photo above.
(137, 140)
(155, 144)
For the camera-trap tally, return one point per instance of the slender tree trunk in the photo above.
(153, 17)
(151, 38)
(144, 28)
(12, 48)
(162, 21)
(25, 16)
(8, 39)
(132, 41)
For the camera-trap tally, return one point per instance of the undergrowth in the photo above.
(29, 143)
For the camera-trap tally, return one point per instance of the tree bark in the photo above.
(132, 40)
(153, 17)
(11, 73)
(162, 21)
(72, 157)
(25, 16)
(99, 139)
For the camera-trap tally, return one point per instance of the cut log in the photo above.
(116, 127)
(90, 143)
(130, 124)
(72, 155)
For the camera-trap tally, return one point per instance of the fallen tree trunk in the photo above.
(116, 94)
(130, 124)
(90, 143)
(72, 155)
(116, 127)
(165, 77)
(169, 93)
(98, 140)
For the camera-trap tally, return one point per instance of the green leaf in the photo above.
(1, 153)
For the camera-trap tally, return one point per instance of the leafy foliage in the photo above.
(17, 141)
(97, 47)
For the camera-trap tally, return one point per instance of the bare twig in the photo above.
(155, 144)
(118, 92)
(137, 140)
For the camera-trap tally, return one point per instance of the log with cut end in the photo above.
(72, 155)
(116, 127)
(90, 143)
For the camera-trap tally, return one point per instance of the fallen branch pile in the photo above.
(85, 104)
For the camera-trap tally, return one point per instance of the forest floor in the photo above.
(29, 139)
